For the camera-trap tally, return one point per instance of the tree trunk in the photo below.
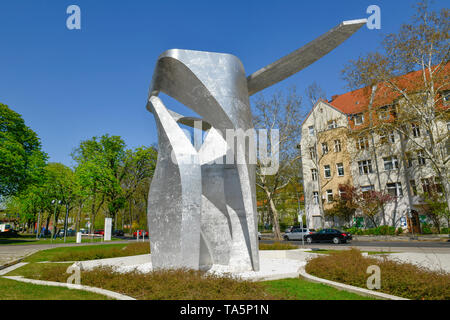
(275, 216)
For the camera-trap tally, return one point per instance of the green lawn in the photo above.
(299, 289)
(81, 253)
(15, 290)
(31, 239)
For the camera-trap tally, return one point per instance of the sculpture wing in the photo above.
(303, 57)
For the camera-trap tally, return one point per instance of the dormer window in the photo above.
(383, 113)
(358, 119)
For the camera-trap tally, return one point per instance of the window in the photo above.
(358, 119)
(362, 143)
(311, 130)
(421, 158)
(327, 171)
(330, 195)
(390, 163)
(395, 189)
(438, 185)
(314, 174)
(392, 137)
(312, 153)
(324, 148)
(366, 189)
(337, 146)
(415, 130)
(427, 185)
(332, 124)
(446, 97)
(409, 159)
(342, 193)
(413, 187)
(316, 197)
(340, 169)
(365, 166)
(383, 113)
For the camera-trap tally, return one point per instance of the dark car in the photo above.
(329, 235)
(118, 233)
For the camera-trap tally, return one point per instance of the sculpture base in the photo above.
(274, 265)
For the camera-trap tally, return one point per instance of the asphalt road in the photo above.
(393, 246)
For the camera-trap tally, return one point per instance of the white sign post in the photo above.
(78, 237)
(108, 228)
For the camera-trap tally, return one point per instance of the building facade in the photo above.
(336, 150)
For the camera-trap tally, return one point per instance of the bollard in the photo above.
(78, 237)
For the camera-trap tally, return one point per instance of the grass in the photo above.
(397, 278)
(31, 239)
(82, 253)
(277, 246)
(299, 289)
(15, 290)
(187, 285)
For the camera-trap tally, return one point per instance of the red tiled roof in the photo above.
(357, 101)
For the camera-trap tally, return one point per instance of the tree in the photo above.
(344, 208)
(99, 163)
(284, 114)
(420, 50)
(21, 157)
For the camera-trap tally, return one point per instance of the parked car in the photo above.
(327, 235)
(296, 234)
(140, 234)
(84, 231)
(70, 233)
(259, 235)
(118, 233)
(101, 232)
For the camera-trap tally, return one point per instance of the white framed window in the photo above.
(329, 195)
(427, 185)
(314, 174)
(362, 143)
(358, 119)
(415, 130)
(366, 189)
(383, 113)
(332, 124)
(337, 146)
(421, 158)
(312, 153)
(395, 189)
(324, 148)
(340, 169)
(365, 166)
(315, 197)
(327, 171)
(342, 193)
(390, 163)
(311, 130)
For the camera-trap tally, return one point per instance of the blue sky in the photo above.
(71, 85)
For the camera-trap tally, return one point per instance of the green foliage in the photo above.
(400, 279)
(21, 157)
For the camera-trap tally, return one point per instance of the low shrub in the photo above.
(397, 278)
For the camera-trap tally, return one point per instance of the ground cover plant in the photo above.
(186, 284)
(397, 278)
(82, 253)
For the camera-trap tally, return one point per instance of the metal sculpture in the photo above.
(202, 207)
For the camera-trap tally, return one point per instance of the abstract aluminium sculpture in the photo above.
(202, 209)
